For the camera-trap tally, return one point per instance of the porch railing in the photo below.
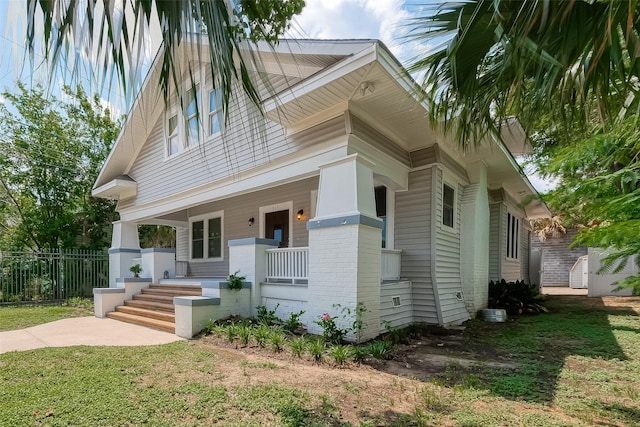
(289, 265)
(390, 265)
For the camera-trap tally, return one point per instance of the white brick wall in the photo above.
(344, 268)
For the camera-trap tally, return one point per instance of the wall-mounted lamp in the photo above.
(367, 86)
(300, 213)
(251, 221)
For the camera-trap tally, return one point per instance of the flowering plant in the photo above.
(330, 330)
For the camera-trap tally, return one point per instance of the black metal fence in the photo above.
(52, 275)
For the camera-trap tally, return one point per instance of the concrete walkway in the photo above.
(82, 331)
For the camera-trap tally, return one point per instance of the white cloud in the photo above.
(353, 19)
(2, 100)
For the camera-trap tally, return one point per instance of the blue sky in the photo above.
(323, 19)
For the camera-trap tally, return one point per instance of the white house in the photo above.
(341, 194)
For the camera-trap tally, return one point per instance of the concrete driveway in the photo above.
(82, 331)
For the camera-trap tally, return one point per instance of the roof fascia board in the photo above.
(341, 68)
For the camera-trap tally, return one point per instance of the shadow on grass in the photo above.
(537, 348)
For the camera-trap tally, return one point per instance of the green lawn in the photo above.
(577, 366)
(12, 317)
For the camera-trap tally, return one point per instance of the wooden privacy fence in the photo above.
(52, 275)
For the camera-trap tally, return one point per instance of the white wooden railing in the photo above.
(390, 265)
(290, 265)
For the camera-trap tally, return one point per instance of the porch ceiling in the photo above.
(387, 102)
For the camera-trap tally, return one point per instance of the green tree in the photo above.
(569, 70)
(50, 154)
(115, 32)
(497, 58)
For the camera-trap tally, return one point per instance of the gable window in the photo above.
(448, 205)
(191, 116)
(215, 112)
(172, 135)
(206, 237)
(513, 232)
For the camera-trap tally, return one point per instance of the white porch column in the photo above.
(344, 246)
(125, 246)
(474, 236)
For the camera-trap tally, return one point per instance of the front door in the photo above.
(276, 226)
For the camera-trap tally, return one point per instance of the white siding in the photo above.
(238, 210)
(413, 237)
(398, 316)
(448, 273)
(495, 239)
(250, 141)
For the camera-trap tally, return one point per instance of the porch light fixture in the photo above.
(251, 221)
(300, 213)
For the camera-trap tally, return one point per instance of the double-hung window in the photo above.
(191, 115)
(513, 232)
(215, 112)
(206, 237)
(172, 136)
(448, 205)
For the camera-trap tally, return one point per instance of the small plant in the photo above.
(136, 269)
(516, 297)
(330, 331)
(235, 281)
(360, 353)
(231, 332)
(293, 322)
(208, 328)
(340, 353)
(276, 341)
(298, 346)
(266, 317)
(380, 349)
(395, 335)
(244, 333)
(261, 335)
(80, 302)
(316, 349)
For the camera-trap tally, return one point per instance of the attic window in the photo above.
(172, 135)
(191, 115)
(215, 112)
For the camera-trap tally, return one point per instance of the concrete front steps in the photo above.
(154, 306)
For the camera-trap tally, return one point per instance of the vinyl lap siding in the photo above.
(495, 239)
(238, 210)
(448, 274)
(397, 316)
(413, 237)
(249, 141)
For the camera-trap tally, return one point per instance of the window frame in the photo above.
(217, 112)
(512, 244)
(205, 236)
(454, 206)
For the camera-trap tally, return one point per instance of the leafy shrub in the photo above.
(208, 328)
(330, 331)
(316, 349)
(266, 317)
(380, 349)
(515, 297)
(340, 353)
(298, 346)
(261, 335)
(244, 333)
(360, 353)
(276, 341)
(232, 332)
(293, 322)
(235, 281)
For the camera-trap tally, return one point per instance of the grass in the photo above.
(12, 317)
(578, 365)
